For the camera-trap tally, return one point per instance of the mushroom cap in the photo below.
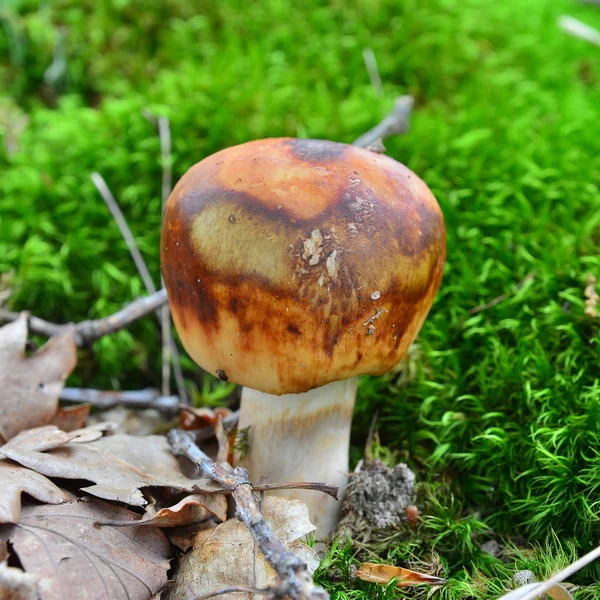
(293, 263)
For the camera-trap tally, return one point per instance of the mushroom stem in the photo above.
(302, 437)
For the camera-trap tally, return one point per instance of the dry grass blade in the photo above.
(539, 589)
(579, 29)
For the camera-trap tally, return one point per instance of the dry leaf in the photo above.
(15, 479)
(556, 592)
(74, 559)
(72, 417)
(17, 585)
(119, 465)
(198, 418)
(29, 387)
(192, 509)
(383, 574)
(226, 555)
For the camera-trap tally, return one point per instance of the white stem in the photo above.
(302, 437)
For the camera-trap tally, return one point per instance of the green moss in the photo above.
(498, 412)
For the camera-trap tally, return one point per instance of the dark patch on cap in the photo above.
(317, 150)
(222, 375)
(293, 329)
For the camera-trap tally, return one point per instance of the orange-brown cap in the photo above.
(293, 263)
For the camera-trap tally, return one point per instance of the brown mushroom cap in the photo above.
(293, 263)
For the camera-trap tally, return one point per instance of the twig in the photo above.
(394, 123)
(502, 297)
(373, 70)
(585, 560)
(236, 590)
(142, 268)
(148, 398)
(295, 581)
(579, 29)
(115, 211)
(330, 490)
(87, 332)
(164, 132)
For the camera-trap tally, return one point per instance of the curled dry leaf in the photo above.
(197, 418)
(192, 509)
(226, 556)
(29, 387)
(15, 479)
(72, 417)
(383, 574)
(74, 559)
(17, 585)
(119, 465)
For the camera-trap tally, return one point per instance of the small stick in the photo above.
(579, 29)
(142, 268)
(295, 581)
(118, 216)
(502, 297)
(236, 590)
(395, 123)
(164, 132)
(86, 332)
(373, 70)
(330, 490)
(148, 398)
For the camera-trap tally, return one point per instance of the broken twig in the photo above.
(395, 123)
(295, 580)
(86, 332)
(148, 398)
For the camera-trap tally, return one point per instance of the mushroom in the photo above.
(293, 266)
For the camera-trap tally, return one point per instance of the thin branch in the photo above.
(330, 490)
(87, 332)
(236, 590)
(395, 123)
(502, 297)
(115, 211)
(579, 29)
(373, 70)
(141, 266)
(164, 132)
(295, 580)
(148, 398)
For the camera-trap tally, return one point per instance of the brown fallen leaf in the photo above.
(226, 556)
(16, 585)
(74, 559)
(383, 574)
(197, 418)
(15, 479)
(192, 509)
(71, 417)
(119, 465)
(29, 387)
